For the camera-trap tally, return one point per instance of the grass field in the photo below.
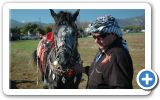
(23, 74)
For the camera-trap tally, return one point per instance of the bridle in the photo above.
(55, 67)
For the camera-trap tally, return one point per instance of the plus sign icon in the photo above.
(147, 79)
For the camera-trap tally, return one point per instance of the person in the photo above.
(112, 66)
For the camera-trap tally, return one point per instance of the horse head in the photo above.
(65, 32)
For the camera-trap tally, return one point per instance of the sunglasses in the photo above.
(100, 36)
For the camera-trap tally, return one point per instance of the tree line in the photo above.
(42, 29)
(133, 28)
(32, 28)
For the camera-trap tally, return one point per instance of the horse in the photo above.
(62, 54)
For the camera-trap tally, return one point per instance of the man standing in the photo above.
(112, 67)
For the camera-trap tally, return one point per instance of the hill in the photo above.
(14, 23)
(134, 21)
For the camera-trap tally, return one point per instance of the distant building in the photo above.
(87, 31)
(29, 36)
(143, 31)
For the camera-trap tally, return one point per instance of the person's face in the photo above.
(104, 40)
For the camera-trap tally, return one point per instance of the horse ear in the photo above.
(53, 14)
(76, 14)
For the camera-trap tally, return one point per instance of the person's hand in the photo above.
(78, 68)
(87, 70)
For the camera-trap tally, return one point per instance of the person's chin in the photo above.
(101, 47)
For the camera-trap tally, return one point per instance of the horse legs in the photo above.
(45, 78)
(45, 70)
(78, 80)
(58, 82)
(34, 57)
(73, 82)
(38, 62)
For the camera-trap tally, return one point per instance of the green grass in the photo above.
(22, 70)
(25, 74)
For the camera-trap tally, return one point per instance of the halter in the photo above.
(68, 72)
(57, 68)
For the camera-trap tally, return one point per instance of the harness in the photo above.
(55, 67)
(46, 45)
(55, 50)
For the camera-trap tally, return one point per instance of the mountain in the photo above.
(134, 21)
(14, 23)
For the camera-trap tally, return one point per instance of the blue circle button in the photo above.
(147, 79)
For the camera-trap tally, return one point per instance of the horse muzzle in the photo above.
(64, 57)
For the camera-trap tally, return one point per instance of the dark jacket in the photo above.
(113, 70)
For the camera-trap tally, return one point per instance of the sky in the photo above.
(43, 15)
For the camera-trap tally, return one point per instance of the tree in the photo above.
(48, 28)
(15, 30)
(15, 33)
(134, 28)
(32, 28)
